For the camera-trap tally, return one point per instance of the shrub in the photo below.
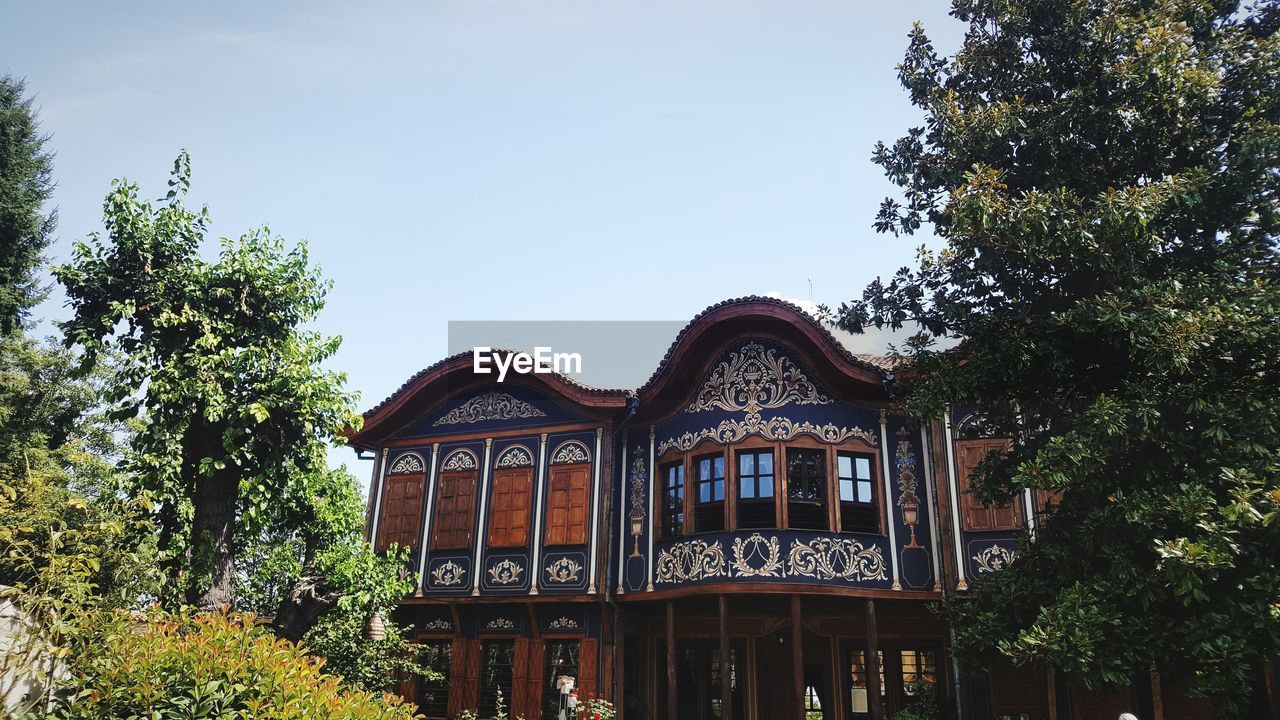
(922, 703)
(165, 667)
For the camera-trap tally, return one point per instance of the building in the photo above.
(751, 534)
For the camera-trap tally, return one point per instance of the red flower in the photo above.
(595, 716)
(591, 694)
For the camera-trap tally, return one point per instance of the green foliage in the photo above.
(230, 394)
(25, 186)
(317, 530)
(922, 703)
(369, 584)
(209, 665)
(57, 467)
(1105, 177)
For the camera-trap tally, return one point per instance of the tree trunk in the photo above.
(213, 562)
(306, 601)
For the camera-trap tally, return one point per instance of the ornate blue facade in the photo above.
(757, 500)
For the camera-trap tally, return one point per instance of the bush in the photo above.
(922, 703)
(165, 667)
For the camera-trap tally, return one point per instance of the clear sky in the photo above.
(484, 160)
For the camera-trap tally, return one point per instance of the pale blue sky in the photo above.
(477, 159)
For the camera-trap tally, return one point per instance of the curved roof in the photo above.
(437, 381)
(699, 343)
(695, 347)
(870, 362)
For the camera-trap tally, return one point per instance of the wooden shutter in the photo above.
(973, 514)
(457, 673)
(509, 509)
(567, 504)
(587, 680)
(471, 676)
(455, 511)
(520, 671)
(401, 512)
(533, 681)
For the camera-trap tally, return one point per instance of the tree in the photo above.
(230, 395)
(25, 186)
(311, 568)
(1104, 174)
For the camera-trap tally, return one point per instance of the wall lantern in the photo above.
(637, 528)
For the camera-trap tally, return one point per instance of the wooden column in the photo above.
(671, 660)
(797, 657)
(873, 663)
(726, 684)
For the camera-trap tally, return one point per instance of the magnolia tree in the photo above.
(1104, 176)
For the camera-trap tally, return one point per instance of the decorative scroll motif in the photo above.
(460, 460)
(564, 570)
(570, 452)
(638, 479)
(905, 459)
(408, 464)
(692, 560)
(975, 425)
(505, 572)
(438, 624)
(447, 573)
(775, 428)
(490, 406)
(500, 624)
(825, 558)
(766, 553)
(755, 378)
(564, 623)
(994, 559)
(516, 456)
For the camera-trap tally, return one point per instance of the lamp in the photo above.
(637, 529)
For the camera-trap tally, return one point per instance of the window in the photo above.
(455, 510)
(858, 511)
(715, 687)
(562, 659)
(812, 703)
(433, 695)
(401, 512)
(567, 504)
(497, 658)
(974, 515)
(708, 508)
(509, 511)
(806, 489)
(918, 665)
(672, 511)
(755, 489)
(860, 688)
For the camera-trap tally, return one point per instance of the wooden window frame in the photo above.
(552, 527)
(546, 658)
(692, 460)
(396, 509)
(511, 534)
(420, 684)
(669, 460)
(442, 533)
(810, 444)
(756, 445)
(975, 516)
(855, 452)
